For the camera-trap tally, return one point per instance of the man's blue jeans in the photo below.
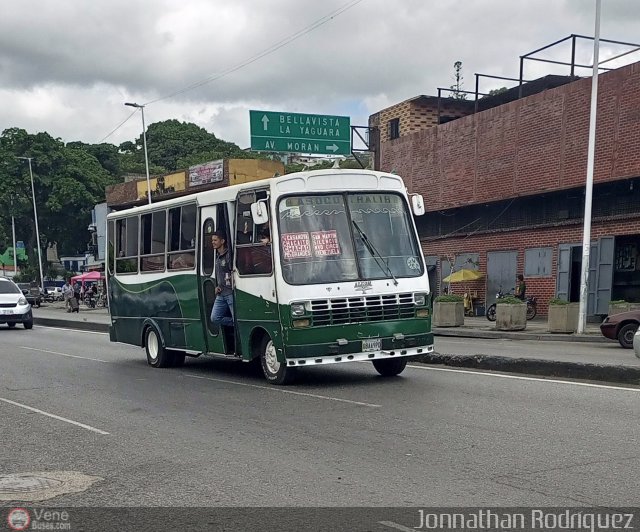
(219, 310)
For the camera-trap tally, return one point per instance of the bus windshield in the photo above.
(346, 237)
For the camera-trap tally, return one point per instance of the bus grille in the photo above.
(362, 309)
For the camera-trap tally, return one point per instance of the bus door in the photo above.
(212, 218)
(254, 286)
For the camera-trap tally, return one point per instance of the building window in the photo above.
(394, 128)
(537, 262)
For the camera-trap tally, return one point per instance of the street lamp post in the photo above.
(144, 142)
(35, 215)
(13, 230)
(586, 232)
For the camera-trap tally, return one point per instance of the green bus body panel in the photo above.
(255, 314)
(171, 303)
(322, 340)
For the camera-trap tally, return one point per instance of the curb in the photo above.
(69, 324)
(518, 335)
(534, 366)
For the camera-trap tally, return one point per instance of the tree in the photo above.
(457, 87)
(493, 92)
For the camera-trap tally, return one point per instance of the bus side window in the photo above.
(208, 258)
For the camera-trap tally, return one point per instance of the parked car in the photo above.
(621, 327)
(636, 343)
(14, 307)
(33, 294)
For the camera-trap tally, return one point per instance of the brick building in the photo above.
(504, 187)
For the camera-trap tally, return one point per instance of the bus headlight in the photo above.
(420, 300)
(298, 309)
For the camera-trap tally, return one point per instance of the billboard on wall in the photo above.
(160, 185)
(201, 174)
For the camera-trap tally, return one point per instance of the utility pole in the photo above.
(586, 237)
(35, 215)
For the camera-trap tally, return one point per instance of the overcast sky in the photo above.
(67, 67)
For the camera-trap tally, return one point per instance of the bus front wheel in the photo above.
(157, 355)
(390, 367)
(275, 372)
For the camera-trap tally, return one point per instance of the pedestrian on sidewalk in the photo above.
(521, 287)
(67, 294)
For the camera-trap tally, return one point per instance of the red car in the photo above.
(621, 327)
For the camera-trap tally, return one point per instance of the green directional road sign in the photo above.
(300, 133)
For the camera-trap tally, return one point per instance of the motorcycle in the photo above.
(531, 301)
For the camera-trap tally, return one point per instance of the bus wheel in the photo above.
(157, 355)
(390, 367)
(274, 371)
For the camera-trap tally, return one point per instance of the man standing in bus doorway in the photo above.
(223, 305)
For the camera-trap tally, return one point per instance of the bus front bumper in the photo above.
(358, 350)
(358, 357)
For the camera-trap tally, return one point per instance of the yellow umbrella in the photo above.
(463, 275)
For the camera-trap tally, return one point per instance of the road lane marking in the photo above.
(274, 389)
(539, 379)
(391, 524)
(59, 418)
(61, 354)
(71, 329)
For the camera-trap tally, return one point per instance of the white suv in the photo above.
(14, 307)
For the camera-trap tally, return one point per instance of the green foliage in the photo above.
(70, 179)
(509, 300)
(449, 298)
(559, 302)
(493, 92)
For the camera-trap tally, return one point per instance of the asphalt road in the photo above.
(214, 434)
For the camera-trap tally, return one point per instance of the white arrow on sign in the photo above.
(265, 121)
(333, 148)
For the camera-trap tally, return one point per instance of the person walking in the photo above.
(67, 294)
(521, 287)
(222, 311)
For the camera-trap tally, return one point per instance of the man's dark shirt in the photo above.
(224, 266)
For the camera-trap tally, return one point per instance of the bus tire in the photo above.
(157, 355)
(274, 371)
(390, 367)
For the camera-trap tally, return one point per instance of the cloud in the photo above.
(67, 68)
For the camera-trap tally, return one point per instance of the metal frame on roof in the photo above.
(530, 56)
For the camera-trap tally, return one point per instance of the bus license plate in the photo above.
(372, 344)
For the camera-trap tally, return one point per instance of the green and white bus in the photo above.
(342, 277)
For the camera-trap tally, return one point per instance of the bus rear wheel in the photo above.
(157, 355)
(390, 367)
(274, 371)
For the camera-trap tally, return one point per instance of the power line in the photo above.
(117, 127)
(274, 47)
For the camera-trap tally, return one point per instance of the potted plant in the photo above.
(563, 316)
(620, 305)
(511, 314)
(448, 311)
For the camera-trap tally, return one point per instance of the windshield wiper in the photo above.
(384, 266)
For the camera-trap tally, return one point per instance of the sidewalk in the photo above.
(55, 315)
(537, 329)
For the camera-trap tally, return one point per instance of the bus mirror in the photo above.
(259, 212)
(417, 204)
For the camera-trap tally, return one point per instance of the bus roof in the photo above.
(309, 181)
